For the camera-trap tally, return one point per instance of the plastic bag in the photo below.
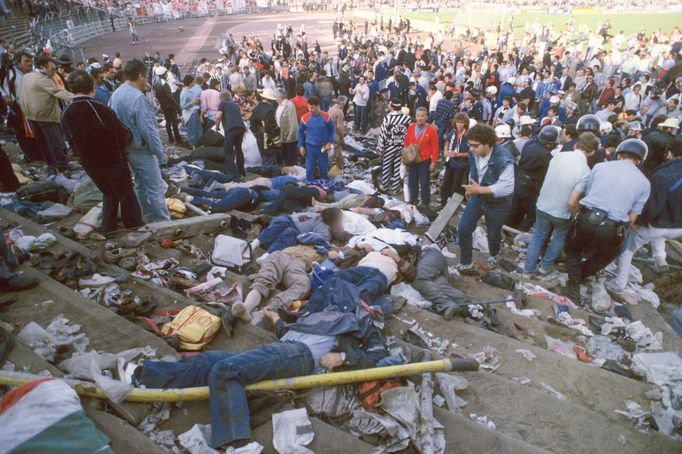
(481, 240)
(252, 157)
(86, 195)
(412, 296)
(600, 300)
(602, 347)
(292, 431)
(196, 440)
(91, 221)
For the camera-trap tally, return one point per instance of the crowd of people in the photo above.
(574, 135)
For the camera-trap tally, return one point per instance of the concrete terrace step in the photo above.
(246, 336)
(584, 420)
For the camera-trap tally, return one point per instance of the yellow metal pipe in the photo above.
(87, 389)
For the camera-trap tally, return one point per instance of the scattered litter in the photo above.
(649, 296)
(59, 333)
(574, 323)
(529, 355)
(600, 300)
(528, 313)
(552, 391)
(439, 401)
(449, 384)
(488, 358)
(603, 348)
(634, 411)
(659, 368)
(412, 296)
(196, 439)
(560, 347)
(292, 431)
(428, 340)
(482, 420)
(645, 339)
(522, 380)
(392, 436)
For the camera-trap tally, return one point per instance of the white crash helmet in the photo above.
(491, 90)
(503, 131)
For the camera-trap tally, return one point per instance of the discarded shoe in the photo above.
(97, 280)
(115, 255)
(499, 280)
(146, 306)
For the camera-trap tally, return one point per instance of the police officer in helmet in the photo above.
(615, 195)
(586, 123)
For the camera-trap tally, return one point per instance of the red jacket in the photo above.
(429, 145)
(301, 105)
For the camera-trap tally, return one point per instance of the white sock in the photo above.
(255, 243)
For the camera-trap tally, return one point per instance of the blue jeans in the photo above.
(360, 118)
(280, 182)
(495, 212)
(324, 102)
(418, 182)
(51, 141)
(314, 157)
(194, 129)
(546, 225)
(279, 234)
(149, 186)
(226, 373)
(233, 199)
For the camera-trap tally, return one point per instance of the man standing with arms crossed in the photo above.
(145, 152)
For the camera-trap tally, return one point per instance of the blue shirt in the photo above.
(136, 114)
(318, 345)
(618, 188)
(308, 90)
(418, 131)
(102, 94)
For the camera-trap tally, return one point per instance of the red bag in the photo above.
(369, 393)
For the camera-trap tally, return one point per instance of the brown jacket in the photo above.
(40, 97)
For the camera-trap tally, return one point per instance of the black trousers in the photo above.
(522, 214)
(171, 118)
(292, 200)
(8, 181)
(116, 184)
(590, 247)
(453, 180)
(289, 153)
(232, 151)
(28, 146)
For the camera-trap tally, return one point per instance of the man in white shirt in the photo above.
(360, 99)
(562, 188)
(434, 97)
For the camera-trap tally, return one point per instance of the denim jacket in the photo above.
(500, 159)
(358, 338)
(136, 114)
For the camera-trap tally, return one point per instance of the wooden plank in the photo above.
(444, 217)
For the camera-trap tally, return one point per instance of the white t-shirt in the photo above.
(567, 171)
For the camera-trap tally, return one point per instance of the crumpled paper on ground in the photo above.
(196, 439)
(332, 401)
(216, 290)
(449, 384)
(89, 366)
(393, 436)
(292, 431)
(529, 355)
(412, 296)
(645, 339)
(60, 332)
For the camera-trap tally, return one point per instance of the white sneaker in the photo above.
(97, 280)
(262, 258)
(252, 448)
(126, 371)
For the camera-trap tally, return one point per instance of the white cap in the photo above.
(492, 90)
(526, 120)
(503, 131)
(160, 70)
(268, 93)
(605, 126)
(554, 99)
(670, 123)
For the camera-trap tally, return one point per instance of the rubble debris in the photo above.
(59, 333)
(292, 431)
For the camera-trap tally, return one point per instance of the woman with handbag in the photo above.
(420, 154)
(85, 122)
